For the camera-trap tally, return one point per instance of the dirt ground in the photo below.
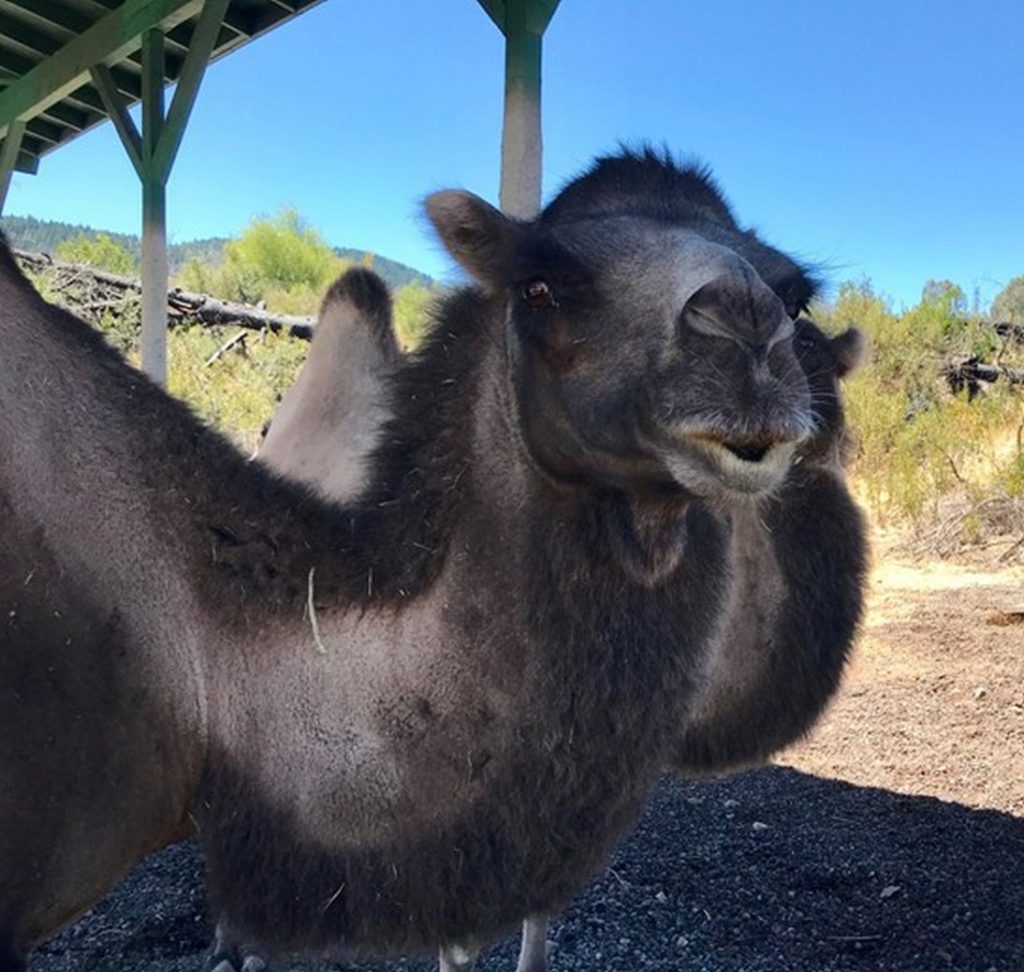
(933, 703)
(891, 840)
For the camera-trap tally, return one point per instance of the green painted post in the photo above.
(154, 212)
(521, 143)
(523, 23)
(152, 154)
(9, 157)
(116, 108)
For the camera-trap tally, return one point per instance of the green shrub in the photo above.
(917, 441)
(280, 261)
(98, 251)
(412, 313)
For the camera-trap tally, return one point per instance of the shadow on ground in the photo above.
(769, 870)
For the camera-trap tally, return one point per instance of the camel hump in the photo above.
(9, 268)
(360, 300)
(329, 421)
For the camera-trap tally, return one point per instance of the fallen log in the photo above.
(212, 310)
(182, 303)
(969, 373)
(1009, 331)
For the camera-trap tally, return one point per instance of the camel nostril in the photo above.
(748, 452)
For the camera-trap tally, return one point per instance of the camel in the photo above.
(188, 636)
(340, 391)
(779, 654)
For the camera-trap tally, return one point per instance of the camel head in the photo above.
(648, 338)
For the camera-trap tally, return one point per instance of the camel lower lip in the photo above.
(709, 464)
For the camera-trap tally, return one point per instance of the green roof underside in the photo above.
(47, 48)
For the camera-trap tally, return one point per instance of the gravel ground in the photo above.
(770, 870)
(845, 860)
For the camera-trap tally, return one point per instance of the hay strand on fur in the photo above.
(318, 643)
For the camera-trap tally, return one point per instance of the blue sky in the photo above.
(883, 139)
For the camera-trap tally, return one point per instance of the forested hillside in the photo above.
(45, 236)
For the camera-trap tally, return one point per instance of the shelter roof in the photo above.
(47, 48)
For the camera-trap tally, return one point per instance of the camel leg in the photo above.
(457, 958)
(226, 956)
(533, 952)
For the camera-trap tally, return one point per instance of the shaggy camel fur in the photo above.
(528, 540)
(784, 641)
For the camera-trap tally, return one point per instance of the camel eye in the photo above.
(538, 294)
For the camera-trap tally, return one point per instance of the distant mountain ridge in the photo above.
(44, 235)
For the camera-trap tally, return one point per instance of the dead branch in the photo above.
(207, 310)
(996, 520)
(238, 339)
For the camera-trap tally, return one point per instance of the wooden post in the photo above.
(152, 154)
(9, 157)
(155, 280)
(154, 212)
(523, 23)
(521, 142)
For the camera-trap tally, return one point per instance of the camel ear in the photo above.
(851, 349)
(479, 236)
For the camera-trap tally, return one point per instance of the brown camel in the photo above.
(186, 634)
(786, 633)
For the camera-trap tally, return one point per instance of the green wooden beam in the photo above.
(27, 162)
(533, 15)
(9, 158)
(495, 9)
(539, 14)
(19, 64)
(84, 98)
(152, 96)
(117, 109)
(16, 65)
(108, 41)
(54, 14)
(233, 19)
(203, 40)
(174, 59)
(78, 121)
(27, 37)
(45, 131)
